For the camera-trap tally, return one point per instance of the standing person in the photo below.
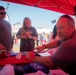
(65, 56)
(43, 38)
(53, 36)
(38, 41)
(28, 35)
(5, 31)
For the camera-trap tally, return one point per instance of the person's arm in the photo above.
(32, 37)
(21, 36)
(46, 60)
(2, 47)
(35, 38)
(49, 45)
(18, 34)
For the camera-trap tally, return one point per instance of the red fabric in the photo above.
(2, 54)
(63, 6)
(31, 54)
(13, 60)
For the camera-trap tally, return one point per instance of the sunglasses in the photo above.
(2, 13)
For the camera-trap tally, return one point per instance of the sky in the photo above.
(39, 17)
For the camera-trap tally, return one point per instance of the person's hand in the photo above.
(18, 56)
(29, 36)
(2, 52)
(40, 48)
(24, 36)
(2, 47)
(30, 56)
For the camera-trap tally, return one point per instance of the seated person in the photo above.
(65, 56)
(2, 52)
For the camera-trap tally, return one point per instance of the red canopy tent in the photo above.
(63, 6)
